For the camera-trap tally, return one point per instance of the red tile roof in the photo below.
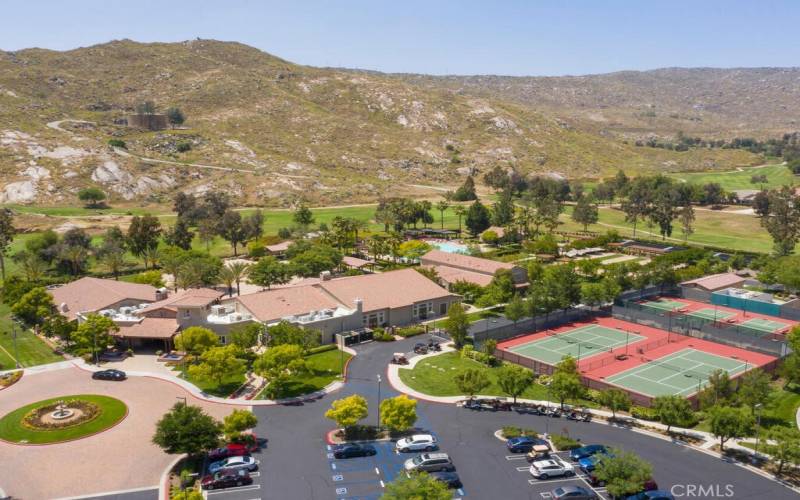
(475, 264)
(716, 281)
(93, 294)
(149, 328)
(271, 305)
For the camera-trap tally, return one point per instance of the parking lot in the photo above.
(543, 488)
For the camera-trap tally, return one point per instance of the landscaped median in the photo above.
(61, 419)
(323, 368)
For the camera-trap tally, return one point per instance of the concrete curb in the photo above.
(163, 483)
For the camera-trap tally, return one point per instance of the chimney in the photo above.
(161, 293)
(325, 275)
(359, 306)
(63, 307)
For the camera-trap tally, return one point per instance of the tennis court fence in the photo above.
(503, 328)
(715, 331)
(632, 350)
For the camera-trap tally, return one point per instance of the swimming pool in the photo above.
(450, 247)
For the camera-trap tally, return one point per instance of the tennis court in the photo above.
(579, 343)
(711, 314)
(680, 373)
(664, 305)
(764, 325)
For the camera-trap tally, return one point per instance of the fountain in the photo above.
(61, 412)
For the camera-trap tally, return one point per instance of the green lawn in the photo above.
(714, 228)
(67, 211)
(777, 175)
(31, 350)
(325, 367)
(229, 384)
(436, 376)
(12, 429)
(780, 410)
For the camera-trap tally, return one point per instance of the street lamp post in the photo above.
(14, 338)
(182, 398)
(379, 400)
(758, 428)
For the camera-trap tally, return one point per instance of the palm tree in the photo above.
(150, 255)
(113, 261)
(441, 206)
(32, 265)
(460, 211)
(376, 246)
(226, 276)
(75, 255)
(358, 225)
(393, 243)
(239, 271)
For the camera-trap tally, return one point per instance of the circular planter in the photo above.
(20, 426)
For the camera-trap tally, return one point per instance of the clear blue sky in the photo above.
(514, 37)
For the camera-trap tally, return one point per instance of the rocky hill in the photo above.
(715, 103)
(270, 132)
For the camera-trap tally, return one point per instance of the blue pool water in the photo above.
(451, 247)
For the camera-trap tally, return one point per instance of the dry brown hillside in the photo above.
(269, 131)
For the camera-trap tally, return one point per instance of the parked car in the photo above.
(451, 479)
(353, 450)
(572, 493)
(421, 348)
(524, 444)
(226, 479)
(231, 450)
(417, 442)
(113, 356)
(586, 451)
(651, 495)
(552, 467)
(114, 375)
(589, 463)
(246, 462)
(430, 462)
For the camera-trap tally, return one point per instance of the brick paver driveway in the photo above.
(118, 459)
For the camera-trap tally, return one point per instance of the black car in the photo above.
(421, 348)
(451, 479)
(353, 450)
(226, 479)
(114, 375)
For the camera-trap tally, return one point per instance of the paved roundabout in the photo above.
(297, 464)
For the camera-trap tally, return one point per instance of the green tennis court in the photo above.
(711, 314)
(680, 373)
(764, 325)
(579, 343)
(664, 305)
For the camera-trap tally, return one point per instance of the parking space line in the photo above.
(549, 481)
(523, 469)
(382, 485)
(516, 457)
(333, 466)
(237, 488)
(377, 471)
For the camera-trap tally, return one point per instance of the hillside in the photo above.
(718, 103)
(270, 132)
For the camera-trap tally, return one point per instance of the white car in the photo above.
(417, 442)
(234, 463)
(551, 467)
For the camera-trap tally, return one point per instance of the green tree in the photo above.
(269, 271)
(490, 237)
(93, 335)
(418, 486)
(7, 233)
(175, 116)
(686, 218)
(489, 345)
(790, 369)
(196, 340)
(34, 306)
(782, 221)
(179, 235)
(457, 324)
(231, 229)
(783, 444)
(585, 212)
(718, 391)
(92, 196)
(516, 309)
(730, 423)
(398, 414)
(216, 363)
(414, 249)
(754, 389)
(460, 212)
(442, 206)
(187, 429)
(593, 294)
(279, 363)
(303, 216)
(472, 381)
(514, 379)
(143, 236)
(615, 400)
(478, 218)
(246, 336)
(673, 410)
(288, 333)
(347, 412)
(565, 384)
(623, 472)
(466, 192)
(503, 210)
(237, 422)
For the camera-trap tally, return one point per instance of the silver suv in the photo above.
(430, 462)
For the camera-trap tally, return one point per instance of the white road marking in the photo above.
(516, 457)
(378, 472)
(333, 466)
(523, 469)
(548, 481)
(236, 488)
(382, 485)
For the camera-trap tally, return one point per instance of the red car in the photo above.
(226, 479)
(234, 450)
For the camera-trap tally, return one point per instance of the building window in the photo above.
(443, 308)
(422, 310)
(222, 339)
(187, 313)
(372, 320)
